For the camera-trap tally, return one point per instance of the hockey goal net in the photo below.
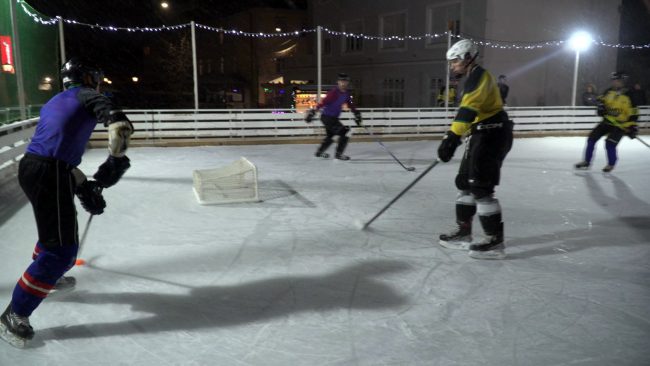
(236, 182)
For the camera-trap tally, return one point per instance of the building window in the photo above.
(440, 18)
(353, 44)
(392, 25)
(393, 93)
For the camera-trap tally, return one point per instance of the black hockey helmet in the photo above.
(618, 75)
(75, 70)
(343, 76)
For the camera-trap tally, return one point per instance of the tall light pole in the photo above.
(579, 41)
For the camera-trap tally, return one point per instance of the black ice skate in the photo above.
(63, 285)
(608, 168)
(15, 329)
(492, 247)
(583, 165)
(342, 157)
(323, 155)
(460, 238)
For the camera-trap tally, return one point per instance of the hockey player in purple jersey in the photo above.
(332, 105)
(49, 176)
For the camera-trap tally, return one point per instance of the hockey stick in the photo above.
(410, 168)
(625, 129)
(79, 261)
(641, 141)
(364, 226)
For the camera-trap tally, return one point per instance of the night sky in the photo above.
(130, 13)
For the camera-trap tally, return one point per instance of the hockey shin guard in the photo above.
(589, 150)
(343, 142)
(610, 146)
(327, 141)
(40, 277)
(489, 213)
(465, 209)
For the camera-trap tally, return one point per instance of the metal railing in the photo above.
(12, 114)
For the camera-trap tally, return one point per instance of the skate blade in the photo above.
(492, 254)
(54, 293)
(11, 338)
(463, 245)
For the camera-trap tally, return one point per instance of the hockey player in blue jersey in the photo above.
(49, 176)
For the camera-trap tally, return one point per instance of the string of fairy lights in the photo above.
(234, 32)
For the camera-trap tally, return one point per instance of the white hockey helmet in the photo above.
(463, 50)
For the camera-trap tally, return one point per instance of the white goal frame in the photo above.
(235, 183)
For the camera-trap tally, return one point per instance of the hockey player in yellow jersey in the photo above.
(453, 93)
(619, 118)
(482, 119)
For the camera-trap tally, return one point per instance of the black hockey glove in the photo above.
(357, 118)
(309, 117)
(90, 195)
(632, 131)
(448, 146)
(600, 109)
(112, 170)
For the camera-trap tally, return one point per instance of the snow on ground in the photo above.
(292, 281)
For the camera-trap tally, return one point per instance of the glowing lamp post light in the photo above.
(579, 41)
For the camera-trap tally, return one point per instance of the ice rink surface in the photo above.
(292, 281)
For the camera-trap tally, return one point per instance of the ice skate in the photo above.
(608, 168)
(15, 329)
(322, 155)
(492, 247)
(460, 238)
(583, 165)
(342, 157)
(65, 284)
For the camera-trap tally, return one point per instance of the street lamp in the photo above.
(579, 41)
(164, 5)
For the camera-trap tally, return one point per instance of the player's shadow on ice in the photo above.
(601, 233)
(357, 287)
(624, 201)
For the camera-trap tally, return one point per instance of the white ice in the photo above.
(292, 281)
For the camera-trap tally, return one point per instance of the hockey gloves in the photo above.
(90, 195)
(357, 118)
(112, 170)
(309, 117)
(632, 131)
(448, 146)
(600, 109)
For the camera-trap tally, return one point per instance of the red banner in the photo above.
(7, 56)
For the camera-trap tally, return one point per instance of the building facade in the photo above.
(410, 73)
